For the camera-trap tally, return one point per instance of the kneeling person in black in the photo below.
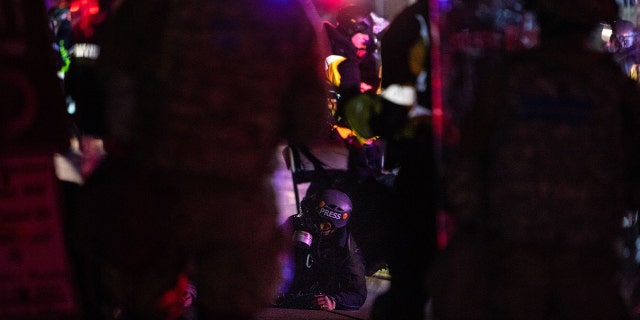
(328, 269)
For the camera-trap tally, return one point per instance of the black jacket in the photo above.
(353, 70)
(332, 266)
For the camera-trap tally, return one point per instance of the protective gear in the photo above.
(624, 33)
(331, 68)
(354, 19)
(334, 206)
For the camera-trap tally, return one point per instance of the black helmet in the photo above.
(334, 206)
(354, 19)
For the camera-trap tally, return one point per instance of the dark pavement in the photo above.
(375, 287)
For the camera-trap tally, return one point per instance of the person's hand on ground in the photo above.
(324, 302)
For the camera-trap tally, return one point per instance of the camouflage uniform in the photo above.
(548, 163)
(200, 94)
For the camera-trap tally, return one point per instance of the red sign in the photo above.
(35, 279)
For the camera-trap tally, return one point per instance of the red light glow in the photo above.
(85, 7)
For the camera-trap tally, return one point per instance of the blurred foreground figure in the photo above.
(199, 95)
(626, 52)
(549, 160)
(405, 122)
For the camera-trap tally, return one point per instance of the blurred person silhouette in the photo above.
(199, 95)
(327, 270)
(626, 43)
(60, 23)
(548, 163)
(403, 118)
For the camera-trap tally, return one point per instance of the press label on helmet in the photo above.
(329, 214)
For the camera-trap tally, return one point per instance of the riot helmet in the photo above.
(354, 19)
